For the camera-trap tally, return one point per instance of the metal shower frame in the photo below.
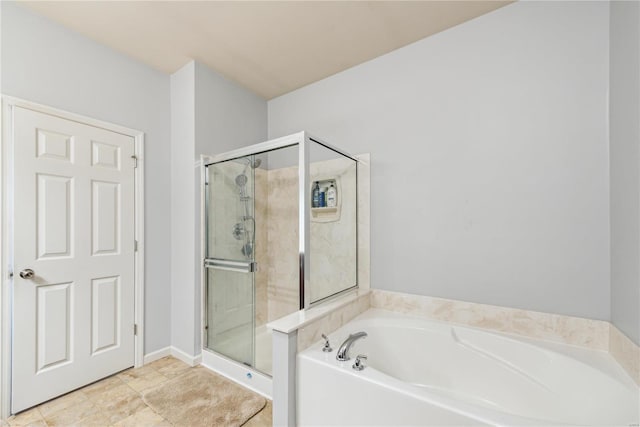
(303, 141)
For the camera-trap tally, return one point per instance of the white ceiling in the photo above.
(270, 47)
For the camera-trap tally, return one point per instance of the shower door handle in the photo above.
(230, 265)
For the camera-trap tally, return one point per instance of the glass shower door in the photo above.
(230, 259)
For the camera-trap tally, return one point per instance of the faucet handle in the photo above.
(359, 364)
(327, 346)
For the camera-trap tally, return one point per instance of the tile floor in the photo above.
(115, 401)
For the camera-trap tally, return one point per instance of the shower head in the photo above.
(241, 180)
(254, 164)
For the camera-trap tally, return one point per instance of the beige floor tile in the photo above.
(143, 418)
(102, 386)
(26, 418)
(114, 394)
(97, 419)
(116, 401)
(123, 407)
(263, 418)
(136, 373)
(142, 378)
(165, 361)
(72, 414)
(67, 401)
(39, 423)
(169, 366)
(149, 380)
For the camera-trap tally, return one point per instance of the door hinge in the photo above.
(135, 161)
(135, 329)
(135, 246)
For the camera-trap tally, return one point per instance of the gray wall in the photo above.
(69, 71)
(625, 167)
(228, 117)
(489, 154)
(489, 148)
(183, 196)
(209, 115)
(46, 63)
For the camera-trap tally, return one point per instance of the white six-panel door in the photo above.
(73, 319)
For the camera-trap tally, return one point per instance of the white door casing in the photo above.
(73, 226)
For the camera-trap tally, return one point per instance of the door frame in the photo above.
(8, 103)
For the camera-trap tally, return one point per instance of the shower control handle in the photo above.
(359, 364)
(327, 346)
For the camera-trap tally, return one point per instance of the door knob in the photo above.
(27, 273)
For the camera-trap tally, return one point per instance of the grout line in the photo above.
(41, 416)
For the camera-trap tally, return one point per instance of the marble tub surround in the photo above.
(312, 332)
(422, 371)
(587, 333)
(577, 331)
(302, 318)
(626, 352)
(364, 221)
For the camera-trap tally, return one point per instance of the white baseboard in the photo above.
(158, 354)
(186, 358)
(172, 351)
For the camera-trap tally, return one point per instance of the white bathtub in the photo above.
(422, 372)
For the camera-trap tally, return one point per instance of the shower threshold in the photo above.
(255, 378)
(238, 372)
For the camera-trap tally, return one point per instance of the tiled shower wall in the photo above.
(333, 244)
(276, 212)
(276, 249)
(282, 237)
(333, 252)
(262, 276)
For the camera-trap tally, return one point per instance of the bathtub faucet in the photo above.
(343, 351)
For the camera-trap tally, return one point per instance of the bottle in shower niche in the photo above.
(332, 197)
(315, 198)
(323, 198)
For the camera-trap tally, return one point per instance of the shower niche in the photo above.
(268, 252)
(326, 207)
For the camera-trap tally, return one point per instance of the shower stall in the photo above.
(279, 235)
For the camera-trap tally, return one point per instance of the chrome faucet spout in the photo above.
(343, 351)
